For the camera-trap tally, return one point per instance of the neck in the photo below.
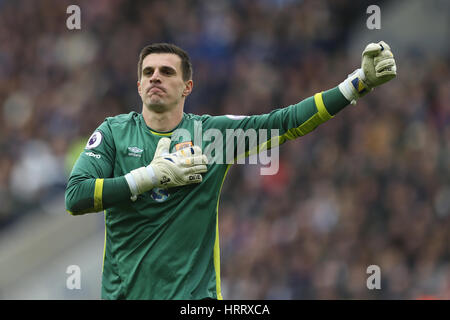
(162, 121)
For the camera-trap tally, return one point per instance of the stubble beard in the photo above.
(156, 104)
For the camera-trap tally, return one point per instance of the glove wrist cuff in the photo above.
(151, 174)
(141, 180)
(354, 86)
(132, 185)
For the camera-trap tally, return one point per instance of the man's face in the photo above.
(162, 87)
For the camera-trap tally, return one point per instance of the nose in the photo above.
(155, 77)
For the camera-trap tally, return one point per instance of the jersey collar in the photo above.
(160, 133)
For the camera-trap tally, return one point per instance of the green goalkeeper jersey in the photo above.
(165, 244)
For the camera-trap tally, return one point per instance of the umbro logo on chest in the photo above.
(135, 152)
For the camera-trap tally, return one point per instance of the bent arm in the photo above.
(91, 186)
(86, 195)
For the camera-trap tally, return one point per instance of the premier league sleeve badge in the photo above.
(94, 140)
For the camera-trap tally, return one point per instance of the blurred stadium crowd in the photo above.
(370, 187)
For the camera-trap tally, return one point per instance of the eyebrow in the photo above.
(166, 68)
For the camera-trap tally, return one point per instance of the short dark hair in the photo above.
(186, 66)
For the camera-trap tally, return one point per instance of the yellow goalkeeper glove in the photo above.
(377, 67)
(168, 169)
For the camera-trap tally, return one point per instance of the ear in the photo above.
(139, 88)
(188, 85)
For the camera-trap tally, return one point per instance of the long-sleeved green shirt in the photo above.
(165, 245)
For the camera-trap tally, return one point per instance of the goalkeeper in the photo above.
(160, 195)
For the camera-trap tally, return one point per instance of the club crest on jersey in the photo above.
(94, 140)
(159, 195)
(183, 145)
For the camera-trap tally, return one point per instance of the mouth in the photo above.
(155, 89)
